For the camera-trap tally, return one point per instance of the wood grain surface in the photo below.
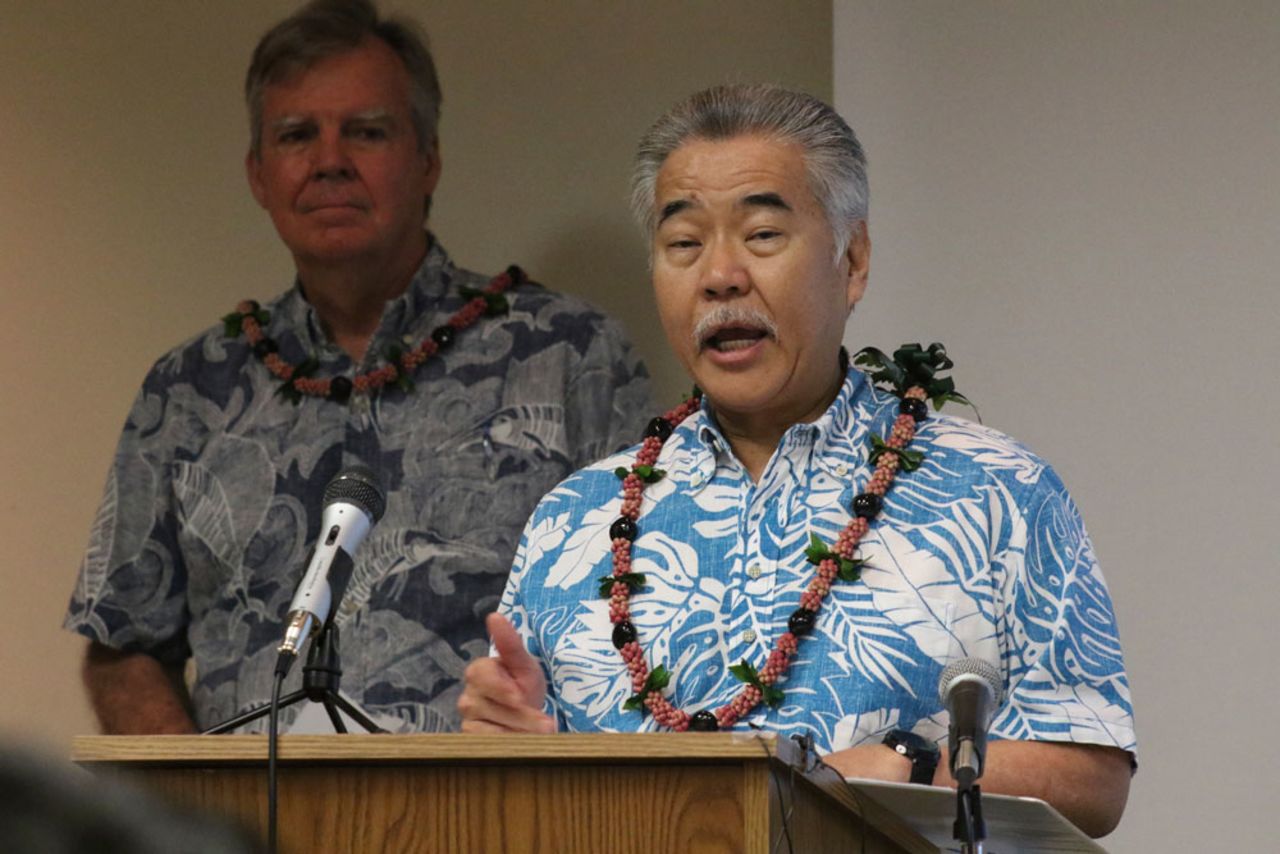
(590, 793)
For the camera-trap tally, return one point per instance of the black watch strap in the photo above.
(922, 752)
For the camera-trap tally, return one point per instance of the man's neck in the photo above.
(755, 436)
(351, 298)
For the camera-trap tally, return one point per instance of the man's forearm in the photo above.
(1089, 784)
(134, 694)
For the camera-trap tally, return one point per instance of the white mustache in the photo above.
(723, 316)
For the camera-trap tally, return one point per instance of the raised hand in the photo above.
(504, 693)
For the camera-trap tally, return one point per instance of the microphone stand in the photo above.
(966, 767)
(969, 829)
(320, 678)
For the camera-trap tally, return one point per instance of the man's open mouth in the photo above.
(730, 338)
(729, 329)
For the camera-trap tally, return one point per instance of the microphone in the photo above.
(971, 690)
(353, 504)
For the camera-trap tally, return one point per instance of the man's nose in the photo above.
(724, 275)
(329, 156)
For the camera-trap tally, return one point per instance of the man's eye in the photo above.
(683, 243)
(765, 234)
(369, 133)
(292, 135)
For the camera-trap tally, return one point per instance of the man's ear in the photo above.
(432, 176)
(858, 258)
(253, 171)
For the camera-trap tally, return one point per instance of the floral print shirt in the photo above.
(214, 499)
(978, 553)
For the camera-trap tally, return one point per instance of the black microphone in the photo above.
(353, 504)
(970, 689)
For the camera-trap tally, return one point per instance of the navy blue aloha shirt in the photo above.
(214, 499)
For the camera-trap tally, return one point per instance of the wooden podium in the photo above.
(590, 793)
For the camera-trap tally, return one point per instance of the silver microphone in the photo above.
(971, 690)
(353, 504)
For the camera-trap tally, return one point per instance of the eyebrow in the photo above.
(765, 200)
(751, 200)
(670, 209)
(372, 116)
(287, 121)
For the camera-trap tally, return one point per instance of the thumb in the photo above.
(510, 646)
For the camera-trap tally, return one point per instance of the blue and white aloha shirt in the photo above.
(214, 500)
(978, 553)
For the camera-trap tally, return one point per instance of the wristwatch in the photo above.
(922, 752)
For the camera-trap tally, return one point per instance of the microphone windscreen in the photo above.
(357, 485)
(971, 667)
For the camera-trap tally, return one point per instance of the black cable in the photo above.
(272, 734)
(783, 809)
(857, 797)
(969, 830)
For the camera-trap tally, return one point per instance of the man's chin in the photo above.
(740, 394)
(334, 246)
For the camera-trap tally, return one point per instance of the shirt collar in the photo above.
(429, 285)
(832, 442)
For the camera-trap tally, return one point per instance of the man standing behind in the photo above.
(469, 397)
(801, 551)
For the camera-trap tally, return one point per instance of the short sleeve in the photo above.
(512, 606)
(130, 593)
(1065, 674)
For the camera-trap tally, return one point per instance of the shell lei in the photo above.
(832, 564)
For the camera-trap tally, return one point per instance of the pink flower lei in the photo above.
(911, 374)
(249, 318)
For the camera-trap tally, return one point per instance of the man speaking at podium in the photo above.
(805, 547)
(468, 397)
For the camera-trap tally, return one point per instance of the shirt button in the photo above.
(842, 469)
(697, 480)
(748, 636)
(754, 570)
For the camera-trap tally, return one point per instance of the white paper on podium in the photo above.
(1014, 825)
(314, 720)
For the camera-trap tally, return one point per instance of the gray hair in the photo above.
(324, 28)
(834, 161)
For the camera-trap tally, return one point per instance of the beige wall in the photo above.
(125, 224)
(1083, 201)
